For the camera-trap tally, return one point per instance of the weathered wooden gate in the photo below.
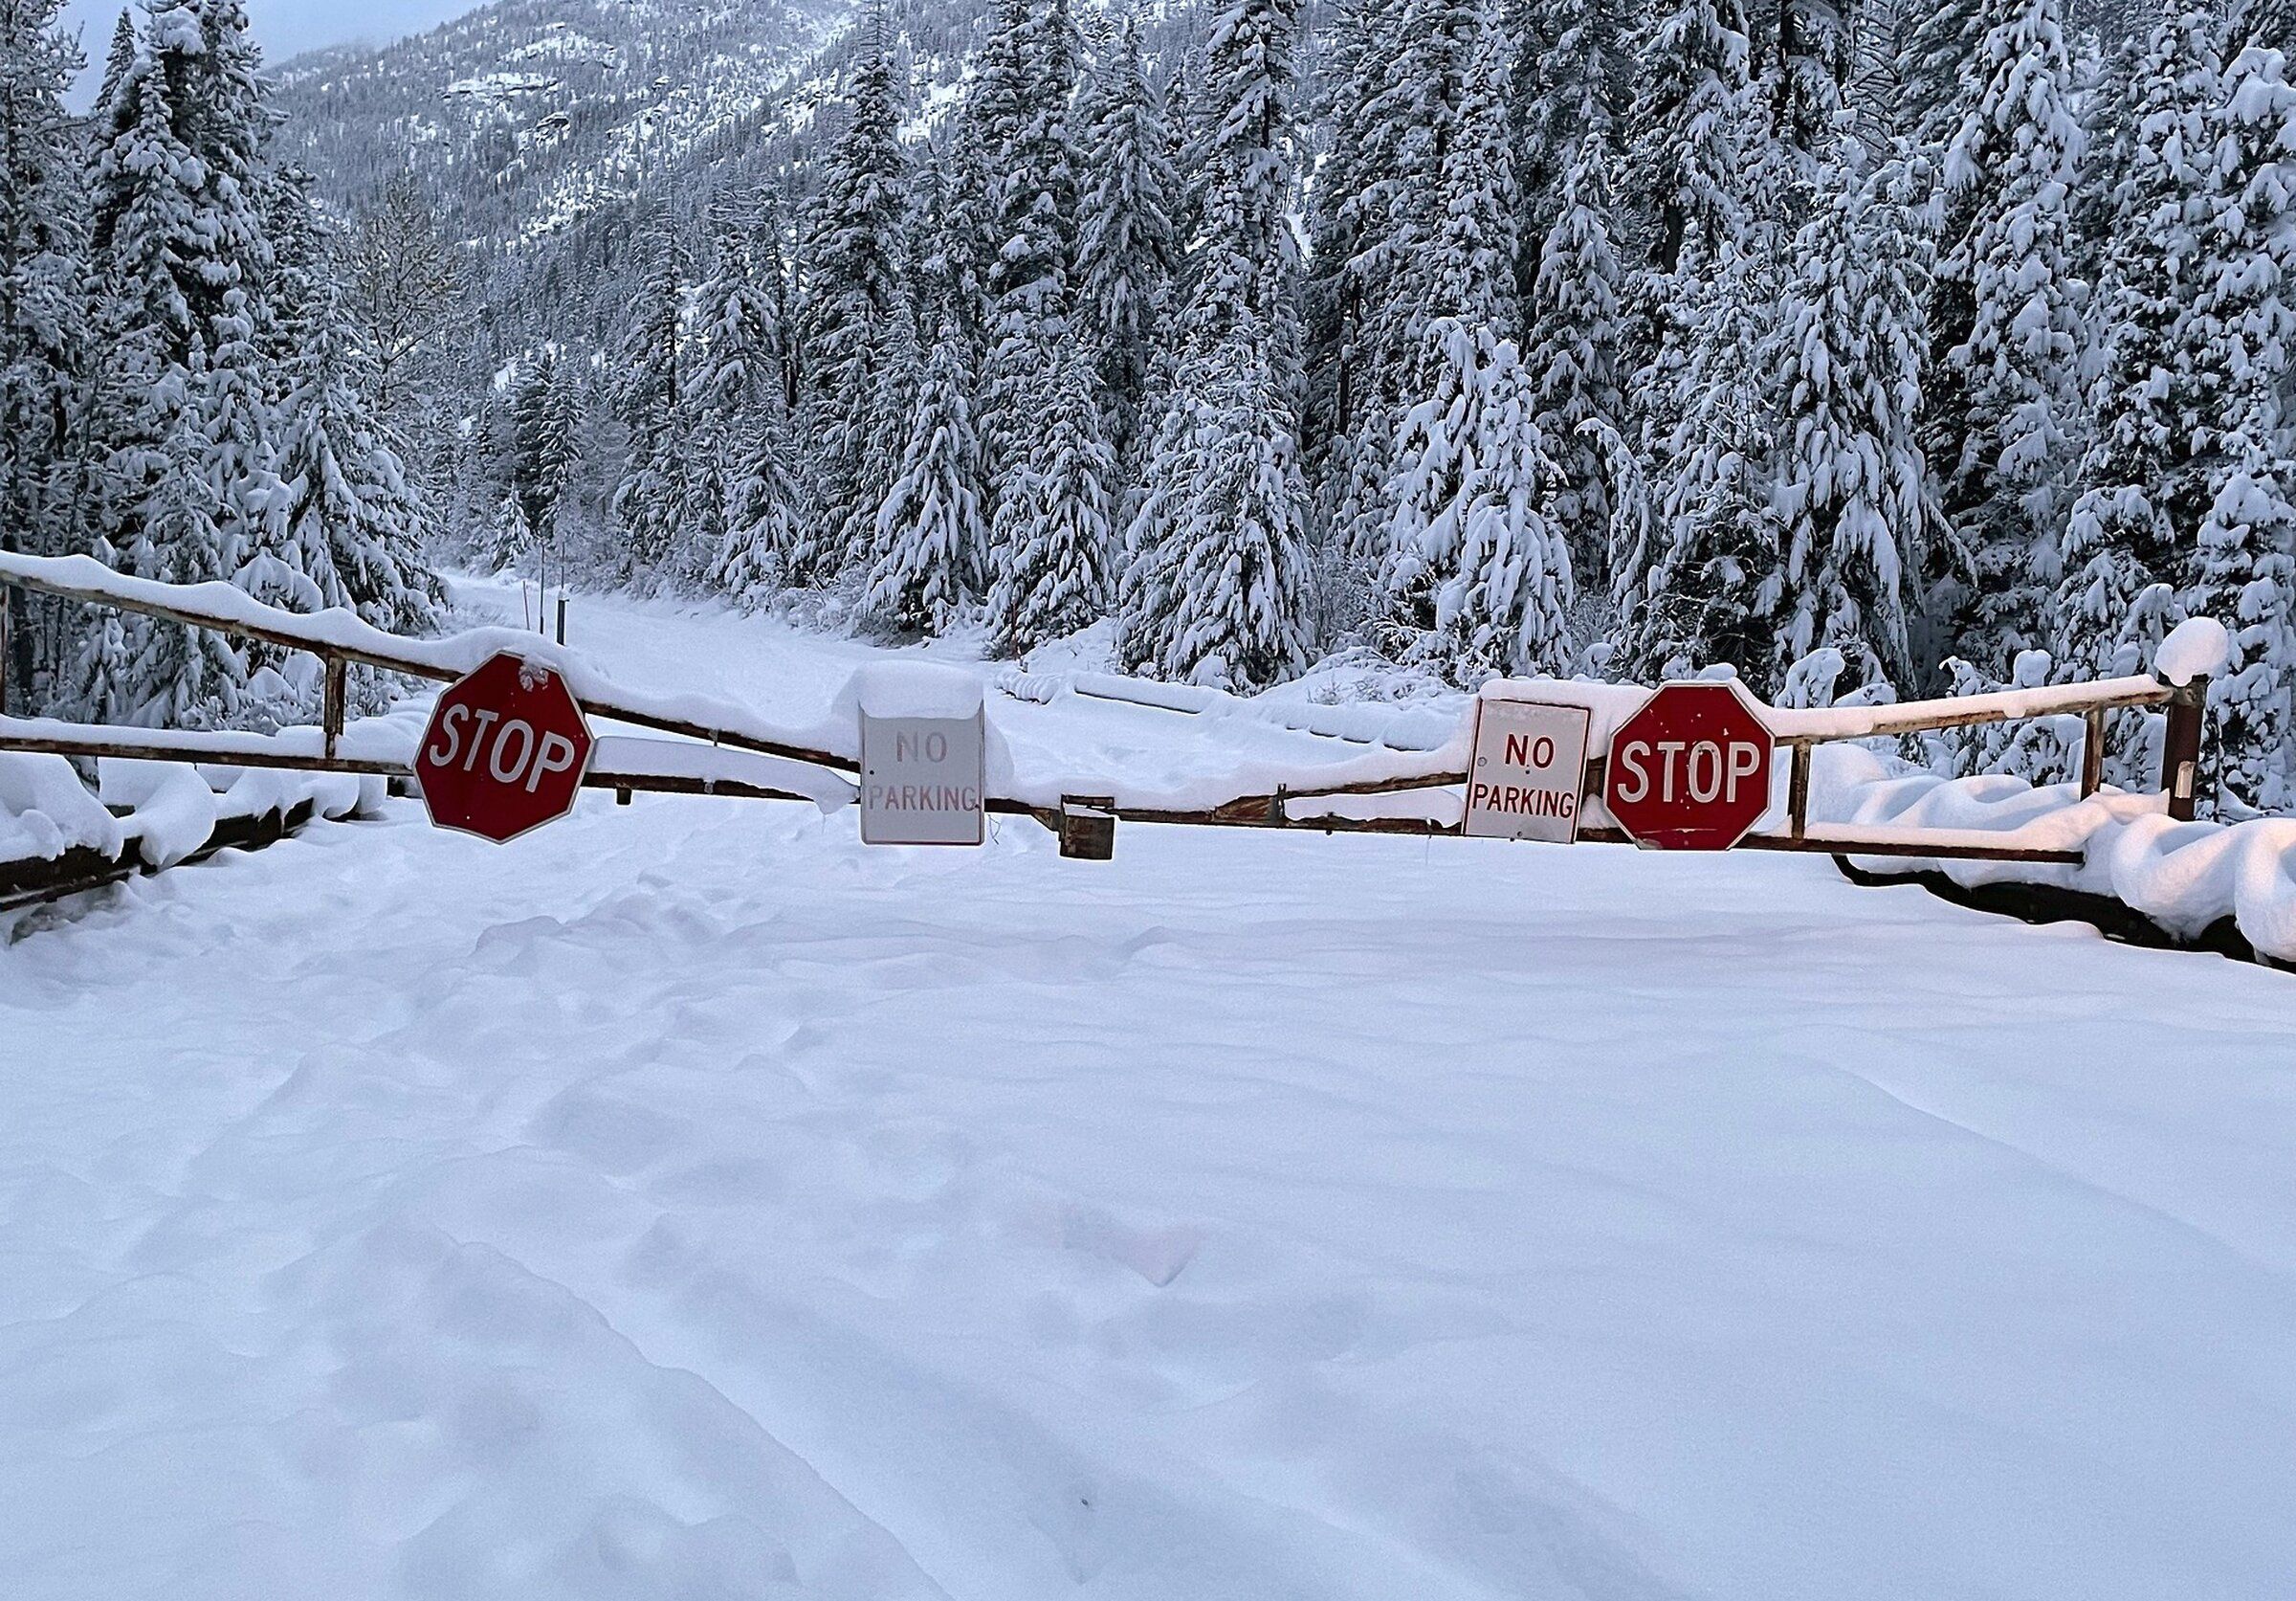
(717, 749)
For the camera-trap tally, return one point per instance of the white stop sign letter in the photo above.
(507, 773)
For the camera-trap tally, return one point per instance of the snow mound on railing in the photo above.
(1427, 725)
(2184, 877)
(45, 810)
(166, 811)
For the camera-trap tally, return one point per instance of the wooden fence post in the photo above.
(2092, 753)
(331, 710)
(2180, 746)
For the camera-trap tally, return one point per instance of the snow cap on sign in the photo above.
(915, 689)
(927, 689)
(1607, 704)
(2197, 647)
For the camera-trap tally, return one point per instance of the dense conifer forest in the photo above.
(1864, 349)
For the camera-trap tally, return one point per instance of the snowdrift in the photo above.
(2183, 877)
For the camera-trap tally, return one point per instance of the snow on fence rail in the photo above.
(1393, 727)
(338, 637)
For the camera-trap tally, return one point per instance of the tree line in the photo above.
(1861, 354)
(1857, 350)
(187, 391)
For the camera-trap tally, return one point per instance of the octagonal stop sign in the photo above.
(504, 751)
(1691, 769)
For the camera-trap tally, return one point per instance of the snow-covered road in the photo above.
(686, 1201)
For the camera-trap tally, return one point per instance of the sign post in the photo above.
(504, 751)
(1691, 769)
(921, 780)
(1529, 772)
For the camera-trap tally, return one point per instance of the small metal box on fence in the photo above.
(1087, 827)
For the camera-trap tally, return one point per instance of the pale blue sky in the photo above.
(286, 27)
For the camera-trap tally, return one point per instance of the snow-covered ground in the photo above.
(687, 1200)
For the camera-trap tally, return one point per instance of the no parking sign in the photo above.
(1528, 773)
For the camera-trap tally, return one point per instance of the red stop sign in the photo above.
(504, 751)
(1691, 770)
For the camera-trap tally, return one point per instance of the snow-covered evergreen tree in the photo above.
(1032, 219)
(951, 249)
(1049, 538)
(1875, 95)
(1353, 376)
(233, 420)
(147, 227)
(177, 221)
(651, 500)
(737, 334)
(1049, 468)
(770, 274)
(1220, 597)
(43, 324)
(2142, 490)
(764, 517)
(1813, 40)
(1219, 547)
(1940, 44)
(1477, 244)
(735, 370)
(1684, 129)
(856, 313)
(184, 267)
(2011, 330)
(542, 440)
(749, 373)
(1572, 351)
(1126, 252)
(1696, 569)
(1853, 491)
(1471, 555)
(1694, 554)
(174, 675)
(932, 521)
(509, 539)
(1570, 84)
(119, 57)
(2247, 537)
(1455, 247)
(1473, 559)
(344, 491)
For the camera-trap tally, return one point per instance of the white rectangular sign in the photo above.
(921, 780)
(1529, 772)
